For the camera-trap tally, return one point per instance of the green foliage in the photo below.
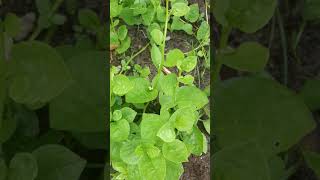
(154, 120)
(257, 121)
(43, 90)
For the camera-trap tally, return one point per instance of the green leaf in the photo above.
(139, 8)
(168, 84)
(194, 141)
(203, 32)
(58, 19)
(150, 125)
(173, 170)
(180, 9)
(117, 115)
(141, 92)
(173, 56)
(157, 36)
(3, 170)
(246, 15)
(89, 19)
(121, 85)
(122, 32)
(152, 151)
(175, 151)
(187, 79)
(249, 56)
(188, 95)
(12, 25)
(309, 93)
(124, 45)
(127, 15)
(23, 166)
(152, 168)
(187, 64)
(128, 114)
(40, 73)
(148, 17)
(313, 161)
(193, 13)
(241, 161)
(7, 128)
(116, 8)
(206, 125)
(156, 56)
(178, 24)
(167, 133)
(82, 106)
(119, 131)
(57, 162)
(128, 152)
(92, 141)
(269, 107)
(184, 118)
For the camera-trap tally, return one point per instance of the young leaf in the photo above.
(128, 114)
(152, 168)
(188, 63)
(121, 85)
(156, 56)
(180, 9)
(173, 170)
(128, 152)
(175, 151)
(194, 141)
(124, 45)
(193, 13)
(173, 56)
(157, 36)
(141, 92)
(119, 131)
(58, 162)
(167, 133)
(203, 32)
(187, 79)
(188, 95)
(184, 118)
(122, 32)
(168, 84)
(178, 24)
(149, 126)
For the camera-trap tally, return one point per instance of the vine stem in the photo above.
(134, 56)
(165, 35)
(38, 30)
(284, 46)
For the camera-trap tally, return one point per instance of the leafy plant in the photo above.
(257, 121)
(154, 119)
(37, 77)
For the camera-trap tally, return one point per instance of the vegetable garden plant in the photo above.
(40, 74)
(155, 117)
(257, 122)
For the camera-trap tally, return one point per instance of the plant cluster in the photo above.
(154, 119)
(68, 80)
(258, 122)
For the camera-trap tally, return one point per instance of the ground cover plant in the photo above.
(52, 91)
(158, 111)
(259, 119)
